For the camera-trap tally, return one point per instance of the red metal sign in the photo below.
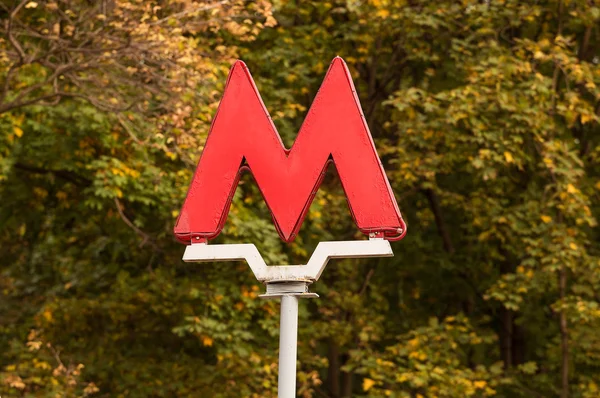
(242, 136)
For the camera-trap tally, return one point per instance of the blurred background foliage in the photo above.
(485, 114)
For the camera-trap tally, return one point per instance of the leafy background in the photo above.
(485, 114)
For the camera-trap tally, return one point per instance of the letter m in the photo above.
(242, 136)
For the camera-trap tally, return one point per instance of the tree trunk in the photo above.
(564, 335)
(347, 384)
(333, 371)
(518, 344)
(436, 209)
(506, 337)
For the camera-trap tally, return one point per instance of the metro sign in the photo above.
(243, 137)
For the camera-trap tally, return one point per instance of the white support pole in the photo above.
(290, 283)
(288, 342)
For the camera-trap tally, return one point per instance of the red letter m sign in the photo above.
(243, 136)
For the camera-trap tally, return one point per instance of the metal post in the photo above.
(290, 283)
(288, 339)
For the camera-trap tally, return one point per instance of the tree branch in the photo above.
(585, 43)
(64, 174)
(439, 220)
(145, 237)
(9, 33)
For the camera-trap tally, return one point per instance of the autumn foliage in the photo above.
(484, 113)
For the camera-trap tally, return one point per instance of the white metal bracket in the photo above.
(290, 283)
(288, 279)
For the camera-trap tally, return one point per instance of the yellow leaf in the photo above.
(18, 131)
(585, 118)
(367, 384)
(573, 246)
(508, 156)
(529, 274)
(34, 345)
(270, 22)
(480, 384)
(47, 314)
(571, 188)
(15, 382)
(546, 219)
(175, 213)
(383, 13)
(40, 192)
(41, 364)
(31, 4)
(90, 389)
(207, 341)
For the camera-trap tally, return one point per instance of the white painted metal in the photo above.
(292, 281)
(288, 346)
(345, 249)
(202, 252)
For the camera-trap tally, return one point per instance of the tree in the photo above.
(485, 115)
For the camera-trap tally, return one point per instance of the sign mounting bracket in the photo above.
(290, 283)
(243, 137)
